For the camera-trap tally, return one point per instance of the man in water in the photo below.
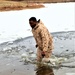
(43, 38)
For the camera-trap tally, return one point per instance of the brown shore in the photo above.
(6, 5)
(15, 5)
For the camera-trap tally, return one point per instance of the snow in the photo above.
(56, 17)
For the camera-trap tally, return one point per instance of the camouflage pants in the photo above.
(48, 53)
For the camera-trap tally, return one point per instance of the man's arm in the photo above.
(44, 39)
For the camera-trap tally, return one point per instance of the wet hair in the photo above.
(33, 19)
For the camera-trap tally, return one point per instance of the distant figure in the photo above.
(44, 70)
(43, 38)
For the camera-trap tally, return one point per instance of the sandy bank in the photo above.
(14, 5)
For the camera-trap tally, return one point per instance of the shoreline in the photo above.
(22, 5)
(53, 33)
(15, 5)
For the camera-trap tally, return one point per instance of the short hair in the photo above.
(33, 19)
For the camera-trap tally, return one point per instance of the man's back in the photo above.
(42, 36)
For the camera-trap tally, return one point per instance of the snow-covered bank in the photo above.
(56, 17)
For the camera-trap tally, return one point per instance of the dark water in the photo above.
(10, 54)
(44, 70)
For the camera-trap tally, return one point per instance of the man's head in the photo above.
(32, 22)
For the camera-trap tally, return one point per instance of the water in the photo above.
(56, 17)
(14, 25)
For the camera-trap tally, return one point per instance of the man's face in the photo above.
(32, 23)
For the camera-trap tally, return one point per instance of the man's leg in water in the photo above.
(39, 56)
(47, 56)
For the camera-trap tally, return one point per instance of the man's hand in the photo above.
(43, 54)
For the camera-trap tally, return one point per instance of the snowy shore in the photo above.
(56, 17)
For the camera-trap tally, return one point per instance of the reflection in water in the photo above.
(44, 70)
